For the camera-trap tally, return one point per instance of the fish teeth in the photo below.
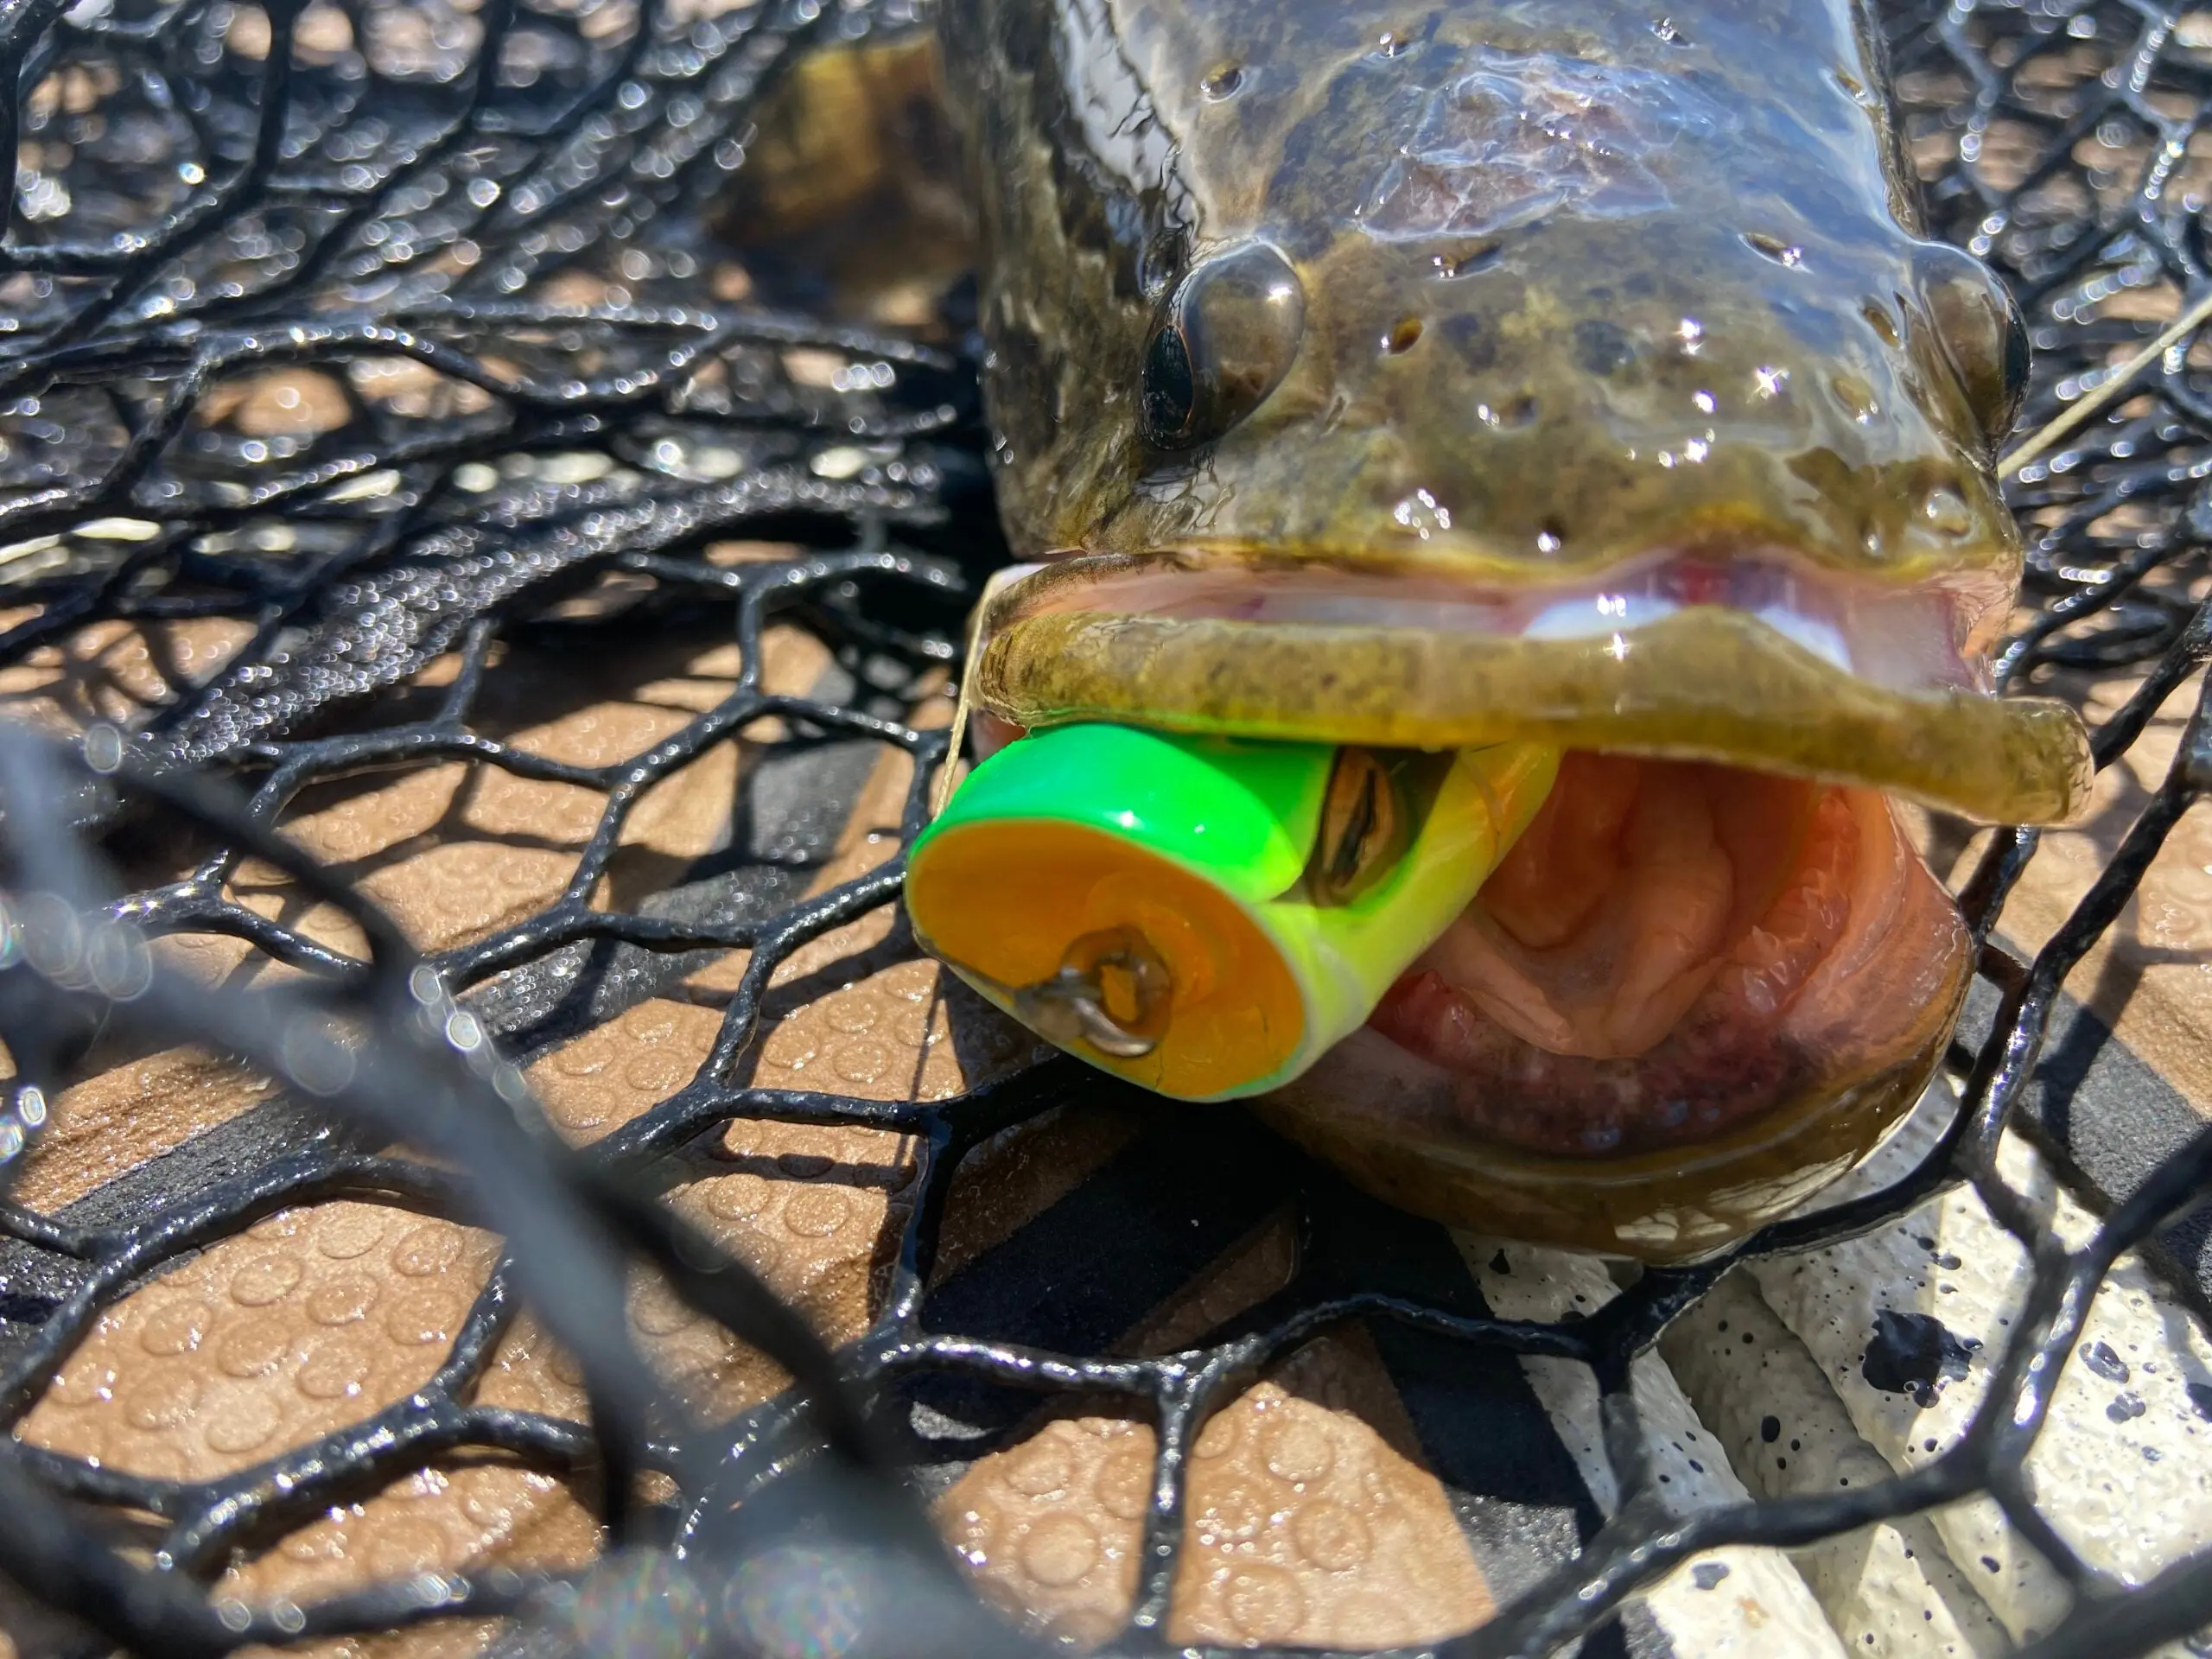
(1596, 615)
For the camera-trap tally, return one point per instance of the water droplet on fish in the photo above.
(1421, 513)
(1947, 512)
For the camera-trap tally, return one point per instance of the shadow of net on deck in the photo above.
(352, 353)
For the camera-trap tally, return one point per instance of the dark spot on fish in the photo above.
(1521, 411)
(1475, 341)
(1601, 345)
(1402, 336)
(2200, 1398)
(1769, 1429)
(2126, 1406)
(1394, 43)
(1499, 1264)
(1467, 260)
(2099, 1357)
(1989, 1562)
(1783, 253)
(1914, 1354)
(1707, 1574)
(1878, 318)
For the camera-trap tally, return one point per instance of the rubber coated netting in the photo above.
(366, 369)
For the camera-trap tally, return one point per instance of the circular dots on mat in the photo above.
(348, 1231)
(269, 1277)
(817, 1211)
(849, 1013)
(661, 1073)
(84, 1381)
(1218, 1438)
(1123, 1483)
(254, 1348)
(737, 1197)
(158, 1398)
(1297, 1449)
(1330, 1535)
(576, 1111)
(426, 1317)
(242, 1422)
(429, 1249)
(177, 1329)
(343, 1300)
(1264, 1604)
(659, 1312)
(861, 1063)
(579, 1059)
(1039, 1469)
(336, 1366)
(1058, 1550)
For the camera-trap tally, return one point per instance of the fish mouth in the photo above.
(1713, 975)
(1754, 660)
(1691, 995)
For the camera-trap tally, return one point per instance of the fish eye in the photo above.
(1229, 334)
(1981, 330)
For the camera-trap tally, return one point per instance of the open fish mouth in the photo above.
(1713, 974)
(1747, 660)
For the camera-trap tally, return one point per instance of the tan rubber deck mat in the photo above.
(2125, 1078)
(1377, 1487)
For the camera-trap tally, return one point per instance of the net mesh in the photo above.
(355, 354)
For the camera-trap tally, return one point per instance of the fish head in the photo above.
(1495, 344)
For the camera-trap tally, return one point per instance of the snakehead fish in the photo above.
(1559, 372)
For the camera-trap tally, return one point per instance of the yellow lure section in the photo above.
(1207, 915)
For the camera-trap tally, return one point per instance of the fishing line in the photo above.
(2191, 320)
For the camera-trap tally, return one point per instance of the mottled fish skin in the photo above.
(1579, 281)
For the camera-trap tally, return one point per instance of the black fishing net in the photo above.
(353, 355)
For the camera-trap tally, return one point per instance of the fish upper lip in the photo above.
(1932, 637)
(1882, 693)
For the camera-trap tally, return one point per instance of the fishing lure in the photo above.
(1545, 380)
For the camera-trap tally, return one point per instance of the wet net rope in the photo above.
(474, 231)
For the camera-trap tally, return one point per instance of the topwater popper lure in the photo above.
(1426, 380)
(1208, 916)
